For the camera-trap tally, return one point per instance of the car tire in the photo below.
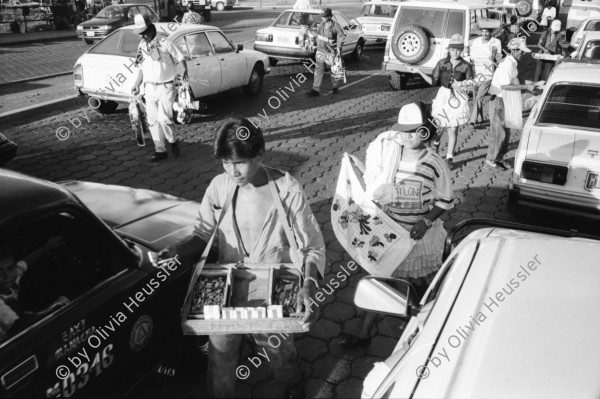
(523, 8)
(106, 106)
(358, 50)
(398, 81)
(220, 6)
(256, 80)
(273, 61)
(410, 44)
(207, 16)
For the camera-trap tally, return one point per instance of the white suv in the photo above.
(421, 32)
(557, 164)
(510, 314)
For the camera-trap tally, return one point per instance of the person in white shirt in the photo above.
(159, 61)
(484, 51)
(505, 74)
(548, 14)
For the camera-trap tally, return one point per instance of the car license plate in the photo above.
(283, 39)
(89, 34)
(592, 181)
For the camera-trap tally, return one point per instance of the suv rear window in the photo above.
(432, 20)
(572, 105)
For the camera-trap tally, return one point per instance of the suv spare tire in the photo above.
(410, 44)
(523, 8)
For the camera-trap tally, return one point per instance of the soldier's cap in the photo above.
(142, 23)
(327, 13)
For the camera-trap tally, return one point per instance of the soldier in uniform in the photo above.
(329, 43)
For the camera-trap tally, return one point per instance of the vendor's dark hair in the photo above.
(240, 138)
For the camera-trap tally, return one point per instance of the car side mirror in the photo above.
(386, 295)
(240, 47)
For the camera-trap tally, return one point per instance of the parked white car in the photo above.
(286, 37)
(507, 316)
(215, 65)
(590, 47)
(557, 164)
(376, 19)
(588, 25)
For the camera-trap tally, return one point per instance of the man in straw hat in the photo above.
(485, 50)
(159, 61)
(330, 38)
(506, 74)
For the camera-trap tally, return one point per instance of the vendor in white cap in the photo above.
(450, 109)
(412, 184)
(505, 74)
(159, 59)
(549, 44)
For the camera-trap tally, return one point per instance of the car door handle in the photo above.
(222, 59)
(19, 373)
(198, 63)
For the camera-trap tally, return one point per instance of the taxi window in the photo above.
(283, 19)
(592, 50)
(344, 24)
(593, 26)
(121, 42)
(220, 43)
(432, 20)
(572, 105)
(199, 45)
(301, 18)
(378, 10)
(48, 264)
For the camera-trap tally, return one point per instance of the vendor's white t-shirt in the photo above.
(483, 55)
(548, 12)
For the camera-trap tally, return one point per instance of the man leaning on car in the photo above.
(158, 59)
(330, 34)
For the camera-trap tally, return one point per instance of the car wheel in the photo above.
(106, 106)
(273, 61)
(410, 44)
(398, 81)
(88, 41)
(357, 53)
(256, 80)
(220, 6)
(523, 8)
(207, 16)
(532, 26)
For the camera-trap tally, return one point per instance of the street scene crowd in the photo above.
(253, 213)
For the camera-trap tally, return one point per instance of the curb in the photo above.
(43, 77)
(34, 112)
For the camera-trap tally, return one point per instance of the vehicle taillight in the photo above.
(264, 37)
(545, 173)
(78, 75)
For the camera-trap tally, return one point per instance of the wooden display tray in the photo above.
(248, 288)
(547, 57)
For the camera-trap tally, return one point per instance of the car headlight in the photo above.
(79, 27)
(545, 173)
(78, 75)
(105, 27)
(385, 28)
(264, 37)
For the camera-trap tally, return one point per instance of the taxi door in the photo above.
(91, 321)
(234, 69)
(204, 67)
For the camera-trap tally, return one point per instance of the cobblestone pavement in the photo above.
(306, 138)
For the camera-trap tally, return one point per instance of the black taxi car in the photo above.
(121, 316)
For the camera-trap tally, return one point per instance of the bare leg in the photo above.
(451, 141)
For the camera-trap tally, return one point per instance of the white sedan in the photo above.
(106, 72)
(293, 36)
(376, 19)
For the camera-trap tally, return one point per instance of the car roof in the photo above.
(520, 347)
(308, 10)
(448, 4)
(176, 27)
(384, 2)
(580, 72)
(21, 194)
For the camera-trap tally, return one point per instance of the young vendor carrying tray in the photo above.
(245, 206)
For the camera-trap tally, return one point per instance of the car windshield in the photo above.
(111, 12)
(591, 51)
(290, 19)
(572, 105)
(429, 19)
(593, 25)
(378, 10)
